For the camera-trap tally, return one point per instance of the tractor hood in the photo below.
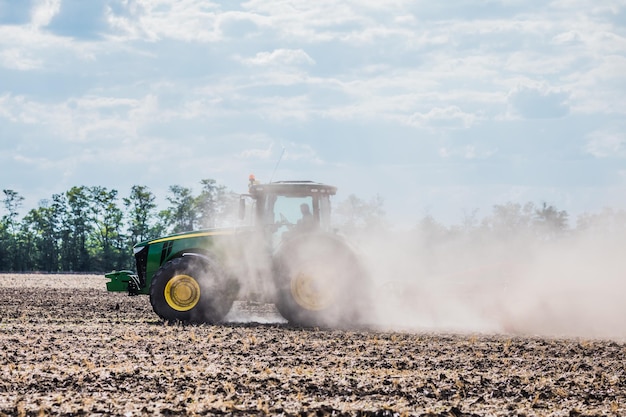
(192, 234)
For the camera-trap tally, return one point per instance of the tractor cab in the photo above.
(291, 206)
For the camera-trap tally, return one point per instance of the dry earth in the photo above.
(71, 348)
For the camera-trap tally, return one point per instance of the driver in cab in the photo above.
(307, 222)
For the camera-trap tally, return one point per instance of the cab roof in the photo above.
(295, 188)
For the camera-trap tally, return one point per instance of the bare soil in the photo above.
(71, 348)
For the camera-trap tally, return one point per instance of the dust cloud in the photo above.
(571, 286)
(518, 283)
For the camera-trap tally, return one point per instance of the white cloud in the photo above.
(538, 102)
(568, 37)
(188, 20)
(15, 58)
(597, 89)
(313, 21)
(539, 64)
(262, 153)
(468, 152)
(281, 108)
(32, 47)
(84, 119)
(96, 102)
(606, 144)
(299, 152)
(35, 162)
(43, 12)
(443, 118)
(595, 7)
(408, 19)
(279, 57)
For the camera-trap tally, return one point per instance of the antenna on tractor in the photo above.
(277, 163)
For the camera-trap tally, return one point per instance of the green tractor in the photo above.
(286, 253)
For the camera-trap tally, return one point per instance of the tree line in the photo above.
(92, 229)
(529, 222)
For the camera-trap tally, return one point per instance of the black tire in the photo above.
(320, 282)
(191, 289)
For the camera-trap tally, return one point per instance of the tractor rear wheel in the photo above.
(320, 282)
(191, 289)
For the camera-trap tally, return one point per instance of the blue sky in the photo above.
(439, 107)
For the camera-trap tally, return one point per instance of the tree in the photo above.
(510, 219)
(44, 222)
(140, 210)
(355, 214)
(77, 228)
(181, 215)
(5, 251)
(25, 249)
(10, 255)
(108, 239)
(12, 202)
(550, 222)
(210, 202)
(607, 222)
(430, 231)
(216, 205)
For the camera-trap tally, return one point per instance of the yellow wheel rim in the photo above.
(182, 292)
(312, 291)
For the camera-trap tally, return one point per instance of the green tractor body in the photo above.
(286, 253)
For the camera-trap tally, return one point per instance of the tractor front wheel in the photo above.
(191, 289)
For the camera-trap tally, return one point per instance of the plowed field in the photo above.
(71, 348)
